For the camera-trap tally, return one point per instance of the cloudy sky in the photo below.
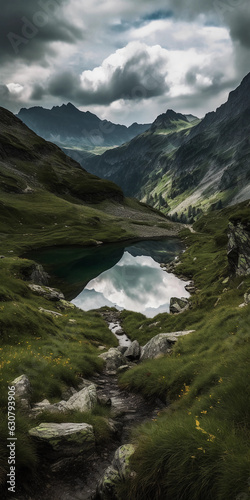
(125, 60)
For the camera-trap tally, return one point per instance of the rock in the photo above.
(118, 471)
(101, 348)
(64, 304)
(103, 400)
(84, 400)
(83, 382)
(123, 369)
(64, 440)
(73, 321)
(48, 311)
(38, 275)
(178, 305)
(47, 292)
(23, 390)
(2, 256)
(133, 351)
(113, 359)
(161, 344)
(247, 297)
(67, 393)
(238, 248)
(190, 287)
(154, 324)
(122, 348)
(119, 331)
(44, 405)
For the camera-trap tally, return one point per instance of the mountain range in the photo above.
(178, 164)
(181, 163)
(69, 127)
(47, 198)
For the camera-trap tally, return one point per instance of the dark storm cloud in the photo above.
(37, 92)
(27, 27)
(240, 28)
(157, 15)
(233, 13)
(138, 78)
(4, 94)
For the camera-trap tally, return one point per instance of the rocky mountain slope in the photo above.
(184, 165)
(69, 127)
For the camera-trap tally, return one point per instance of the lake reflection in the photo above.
(136, 283)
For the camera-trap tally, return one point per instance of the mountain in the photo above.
(132, 164)
(69, 127)
(47, 198)
(181, 162)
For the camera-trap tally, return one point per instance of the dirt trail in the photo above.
(79, 481)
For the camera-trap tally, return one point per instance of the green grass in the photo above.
(199, 446)
(52, 352)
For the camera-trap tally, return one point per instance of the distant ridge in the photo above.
(67, 126)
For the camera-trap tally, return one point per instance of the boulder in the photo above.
(247, 297)
(65, 304)
(123, 369)
(178, 305)
(84, 400)
(118, 471)
(119, 331)
(48, 311)
(22, 390)
(46, 292)
(190, 287)
(38, 275)
(238, 248)
(64, 440)
(133, 352)
(161, 344)
(113, 359)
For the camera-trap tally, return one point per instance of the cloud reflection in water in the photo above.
(134, 283)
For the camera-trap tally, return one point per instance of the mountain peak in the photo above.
(168, 120)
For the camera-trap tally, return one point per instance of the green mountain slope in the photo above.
(179, 164)
(198, 446)
(47, 198)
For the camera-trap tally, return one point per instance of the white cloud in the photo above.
(15, 88)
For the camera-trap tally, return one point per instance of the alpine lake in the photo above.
(122, 275)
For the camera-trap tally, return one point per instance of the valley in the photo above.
(184, 378)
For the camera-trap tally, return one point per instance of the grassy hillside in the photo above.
(199, 447)
(47, 199)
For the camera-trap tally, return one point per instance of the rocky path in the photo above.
(79, 482)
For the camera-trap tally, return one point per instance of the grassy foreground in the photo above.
(54, 352)
(199, 447)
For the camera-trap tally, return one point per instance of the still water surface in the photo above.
(125, 277)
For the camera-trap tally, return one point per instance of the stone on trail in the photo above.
(84, 400)
(113, 359)
(64, 440)
(118, 471)
(133, 351)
